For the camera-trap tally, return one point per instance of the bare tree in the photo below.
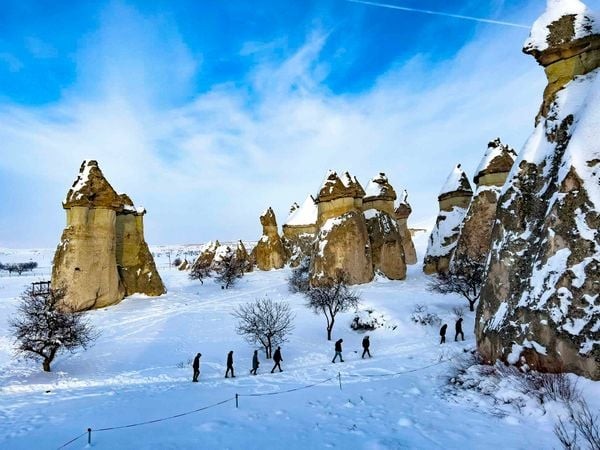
(264, 322)
(299, 280)
(332, 298)
(464, 277)
(229, 269)
(42, 328)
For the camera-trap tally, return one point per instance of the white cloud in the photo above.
(205, 169)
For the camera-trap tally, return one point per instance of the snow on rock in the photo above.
(547, 30)
(306, 214)
(544, 266)
(457, 181)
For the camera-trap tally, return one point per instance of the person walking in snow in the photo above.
(365, 345)
(277, 359)
(255, 363)
(229, 365)
(443, 333)
(196, 367)
(338, 350)
(459, 330)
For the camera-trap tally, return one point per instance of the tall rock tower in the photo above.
(454, 200)
(269, 252)
(540, 304)
(134, 261)
(387, 250)
(342, 242)
(300, 229)
(476, 234)
(402, 212)
(85, 262)
(101, 248)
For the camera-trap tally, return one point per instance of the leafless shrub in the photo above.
(331, 299)
(583, 424)
(299, 280)
(42, 328)
(458, 312)
(555, 386)
(465, 277)
(264, 322)
(422, 317)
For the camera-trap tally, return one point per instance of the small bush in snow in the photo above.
(581, 426)
(367, 320)
(422, 317)
(458, 312)
(177, 262)
(553, 386)
(299, 280)
(42, 328)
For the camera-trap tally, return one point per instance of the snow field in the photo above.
(140, 370)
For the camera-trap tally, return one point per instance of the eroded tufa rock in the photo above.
(476, 233)
(99, 246)
(454, 201)
(540, 303)
(269, 252)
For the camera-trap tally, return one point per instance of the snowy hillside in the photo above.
(139, 370)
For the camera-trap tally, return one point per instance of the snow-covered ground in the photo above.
(139, 370)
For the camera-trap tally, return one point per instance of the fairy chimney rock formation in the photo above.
(454, 200)
(387, 250)
(269, 252)
(540, 303)
(402, 212)
(86, 261)
(342, 242)
(135, 263)
(300, 229)
(475, 237)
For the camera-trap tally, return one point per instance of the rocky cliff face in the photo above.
(402, 212)
(454, 200)
(476, 233)
(100, 245)
(540, 304)
(269, 252)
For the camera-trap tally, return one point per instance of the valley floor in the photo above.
(139, 370)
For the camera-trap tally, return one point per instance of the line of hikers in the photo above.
(457, 328)
(277, 359)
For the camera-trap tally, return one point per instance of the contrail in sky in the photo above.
(438, 13)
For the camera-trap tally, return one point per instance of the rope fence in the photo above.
(88, 432)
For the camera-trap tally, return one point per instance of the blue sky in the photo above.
(206, 112)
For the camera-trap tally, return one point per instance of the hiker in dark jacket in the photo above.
(196, 367)
(365, 344)
(255, 363)
(338, 350)
(229, 365)
(277, 359)
(443, 333)
(459, 330)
